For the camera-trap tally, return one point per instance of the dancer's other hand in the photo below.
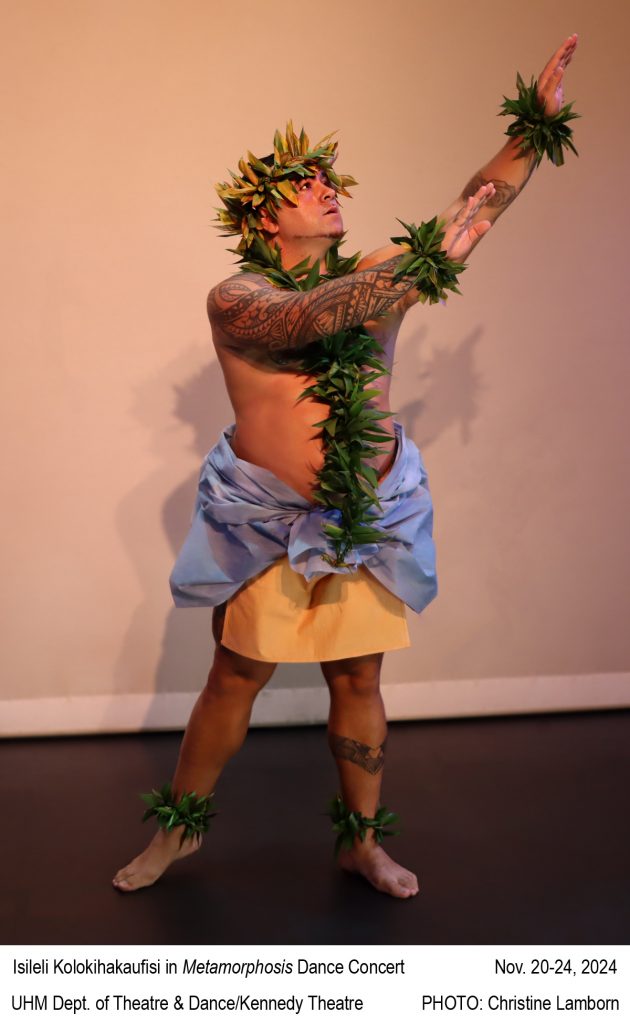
(461, 234)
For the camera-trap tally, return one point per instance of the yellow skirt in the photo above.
(280, 616)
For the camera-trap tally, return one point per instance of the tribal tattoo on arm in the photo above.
(371, 759)
(250, 311)
(505, 193)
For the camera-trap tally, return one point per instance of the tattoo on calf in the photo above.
(371, 759)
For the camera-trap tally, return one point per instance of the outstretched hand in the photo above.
(461, 234)
(550, 90)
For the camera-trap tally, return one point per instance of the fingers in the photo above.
(562, 56)
(474, 203)
(555, 78)
(552, 95)
(487, 192)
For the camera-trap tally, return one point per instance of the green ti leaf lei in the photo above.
(350, 825)
(191, 811)
(545, 134)
(345, 367)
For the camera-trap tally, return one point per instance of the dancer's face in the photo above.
(317, 214)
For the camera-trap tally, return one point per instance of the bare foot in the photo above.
(163, 849)
(371, 861)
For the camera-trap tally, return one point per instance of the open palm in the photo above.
(461, 234)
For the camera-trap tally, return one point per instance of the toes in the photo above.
(123, 880)
(408, 881)
(397, 889)
(407, 888)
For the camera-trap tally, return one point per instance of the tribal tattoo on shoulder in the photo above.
(371, 759)
(290, 320)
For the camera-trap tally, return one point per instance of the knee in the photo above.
(233, 675)
(357, 679)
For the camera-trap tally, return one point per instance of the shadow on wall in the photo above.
(199, 402)
(438, 389)
(445, 387)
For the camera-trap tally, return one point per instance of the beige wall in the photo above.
(120, 117)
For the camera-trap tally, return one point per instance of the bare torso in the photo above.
(273, 428)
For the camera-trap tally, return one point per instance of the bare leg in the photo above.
(357, 729)
(216, 730)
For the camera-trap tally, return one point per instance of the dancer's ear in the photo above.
(270, 226)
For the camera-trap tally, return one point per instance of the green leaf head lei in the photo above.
(265, 183)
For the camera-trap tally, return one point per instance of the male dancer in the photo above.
(344, 619)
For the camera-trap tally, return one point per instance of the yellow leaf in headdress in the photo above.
(288, 191)
(248, 172)
(257, 164)
(292, 140)
(323, 143)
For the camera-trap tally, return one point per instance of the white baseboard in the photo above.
(134, 712)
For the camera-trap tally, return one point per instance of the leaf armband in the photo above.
(350, 825)
(544, 134)
(191, 811)
(426, 261)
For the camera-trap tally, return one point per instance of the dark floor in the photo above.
(518, 828)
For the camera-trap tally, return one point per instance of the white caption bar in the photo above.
(430, 984)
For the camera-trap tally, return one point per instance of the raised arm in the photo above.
(510, 170)
(249, 310)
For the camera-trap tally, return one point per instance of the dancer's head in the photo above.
(289, 196)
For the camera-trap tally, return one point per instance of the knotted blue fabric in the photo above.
(245, 518)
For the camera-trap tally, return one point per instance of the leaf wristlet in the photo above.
(350, 825)
(191, 811)
(546, 134)
(433, 272)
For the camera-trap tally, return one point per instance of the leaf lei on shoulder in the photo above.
(546, 134)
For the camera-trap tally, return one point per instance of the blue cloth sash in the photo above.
(245, 518)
